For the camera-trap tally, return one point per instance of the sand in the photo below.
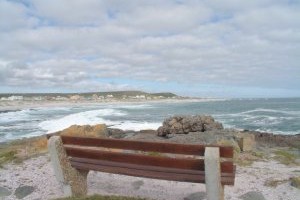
(38, 172)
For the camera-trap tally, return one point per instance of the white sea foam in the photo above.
(132, 106)
(96, 117)
(88, 117)
(135, 126)
(270, 111)
(15, 116)
(278, 132)
(47, 109)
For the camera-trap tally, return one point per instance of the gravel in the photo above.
(37, 173)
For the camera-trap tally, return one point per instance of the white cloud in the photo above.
(68, 44)
(14, 15)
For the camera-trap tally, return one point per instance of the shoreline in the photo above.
(10, 106)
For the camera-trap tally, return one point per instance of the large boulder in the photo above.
(187, 124)
(99, 130)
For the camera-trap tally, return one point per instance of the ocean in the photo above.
(279, 116)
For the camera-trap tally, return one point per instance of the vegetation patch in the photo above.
(19, 150)
(258, 154)
(274, 183)
(100, 197)
(247, 158)
(7, 156)
(285, 157)
(295, 182)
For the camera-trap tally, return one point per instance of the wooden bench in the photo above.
(73, 157)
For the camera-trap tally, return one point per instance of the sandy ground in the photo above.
(38, 172)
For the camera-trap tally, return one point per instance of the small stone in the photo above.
(137, 184)
(253, 195)
(23, 191)
(295, 182)
(196, 196)
(4, 192)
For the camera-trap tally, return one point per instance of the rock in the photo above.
(270, 139)
(4, 192)
(99, 130)
(187, 124)
(196, 196)
(116, 133)
(162, 131)
(295, 182)
(246, 141)
(253, 195)
(23, 191)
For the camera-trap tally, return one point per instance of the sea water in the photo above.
(279, 116)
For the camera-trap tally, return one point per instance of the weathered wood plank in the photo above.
(147, 173)
(180, 163)
(143, 167)
(162, 147)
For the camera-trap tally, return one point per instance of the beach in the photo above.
(264, 172)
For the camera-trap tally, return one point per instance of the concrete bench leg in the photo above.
(214, 188)
(74, 181)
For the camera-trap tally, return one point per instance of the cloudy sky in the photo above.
(221, 48)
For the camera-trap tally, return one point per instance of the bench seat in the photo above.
(158, 160)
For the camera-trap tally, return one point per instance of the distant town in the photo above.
(93, 96)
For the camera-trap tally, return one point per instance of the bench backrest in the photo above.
(136, 158)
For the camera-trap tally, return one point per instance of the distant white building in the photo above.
(140, 96)
(75, 97)
(38, 98)
(15, 98)
(4, 99)
(60, 98)
(109, 96)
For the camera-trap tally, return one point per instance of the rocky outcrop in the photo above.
(99, 130)
(187, 124)
(116, 133)
(270, 139)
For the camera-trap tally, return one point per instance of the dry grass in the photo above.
(20, 150)
(247, 158)
(7, 156)
(275, 182)
(285, 157)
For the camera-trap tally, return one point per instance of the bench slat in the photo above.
(148, 173)
(162, 147)
(179, 163)
(143, 167)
